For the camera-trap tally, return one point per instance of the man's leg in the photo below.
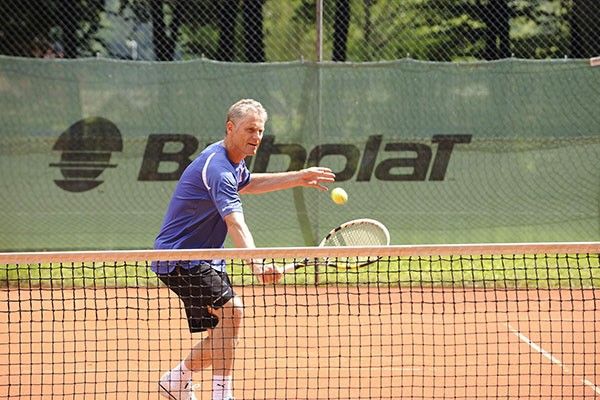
(204, 284)
(218, 348)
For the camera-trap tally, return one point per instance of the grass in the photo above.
(523, 271)
(77, 275)
(541, 271)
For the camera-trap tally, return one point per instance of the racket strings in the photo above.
(357, 235)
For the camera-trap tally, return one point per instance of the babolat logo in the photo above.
(393, 161)
(88, 144)
(86, 149)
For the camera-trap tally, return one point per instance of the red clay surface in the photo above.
(310, 342)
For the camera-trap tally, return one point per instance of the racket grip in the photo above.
(291, 267)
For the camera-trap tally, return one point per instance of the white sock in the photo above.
(221, 387)
(181, 373)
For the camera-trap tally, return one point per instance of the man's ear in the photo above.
(228, 127)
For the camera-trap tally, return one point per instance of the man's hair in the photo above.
(244, 107)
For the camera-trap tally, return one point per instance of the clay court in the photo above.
(307, 342)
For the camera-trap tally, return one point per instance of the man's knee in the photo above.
(233, 311)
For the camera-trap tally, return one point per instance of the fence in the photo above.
(285, 30)
(480, 152)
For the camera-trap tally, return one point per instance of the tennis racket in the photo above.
(358, 232)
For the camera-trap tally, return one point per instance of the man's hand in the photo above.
(267, 272)
(316, 176)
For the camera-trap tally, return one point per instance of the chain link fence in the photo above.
(285, 30)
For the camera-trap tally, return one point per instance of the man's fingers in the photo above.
(270, 273)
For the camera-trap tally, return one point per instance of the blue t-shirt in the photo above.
(206, 192)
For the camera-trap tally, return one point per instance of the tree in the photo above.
(496, 16)
(225, 21)
(252, 22)
(170, 17)
(422, 29)
(341, 23)
(165, 35)
(585, 36)
(197, 18)
(539, 29)
(29, 24)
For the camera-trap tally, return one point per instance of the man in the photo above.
(206, 207)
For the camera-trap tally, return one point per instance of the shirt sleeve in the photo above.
(223, 190)
(244, 176)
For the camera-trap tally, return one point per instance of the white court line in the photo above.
(551, 358)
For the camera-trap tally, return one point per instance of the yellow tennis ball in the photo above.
(339, 196)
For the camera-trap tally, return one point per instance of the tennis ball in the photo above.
(339, 196)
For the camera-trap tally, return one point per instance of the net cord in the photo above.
(302, 252)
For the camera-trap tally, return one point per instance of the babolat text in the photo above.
(391, 161)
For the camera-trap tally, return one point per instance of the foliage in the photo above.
(30, 27)
(437, 30)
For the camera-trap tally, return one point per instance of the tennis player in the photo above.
(204, 209)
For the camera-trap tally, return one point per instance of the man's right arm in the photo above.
(238, 230)
(242, 238)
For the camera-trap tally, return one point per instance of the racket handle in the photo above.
(291, 267)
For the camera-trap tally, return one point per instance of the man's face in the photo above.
(245, 136)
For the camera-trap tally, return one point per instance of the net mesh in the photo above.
(486, 322)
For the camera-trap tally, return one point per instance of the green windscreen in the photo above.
(508, 151)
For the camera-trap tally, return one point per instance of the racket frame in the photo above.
(316, 262)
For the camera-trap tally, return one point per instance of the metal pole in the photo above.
(319, 30)
(319, 46)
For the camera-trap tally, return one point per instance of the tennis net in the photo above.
(452, 321)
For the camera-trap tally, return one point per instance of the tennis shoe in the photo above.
(176, 390)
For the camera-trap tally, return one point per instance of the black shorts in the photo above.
(198, 288)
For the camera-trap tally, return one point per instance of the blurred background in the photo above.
(286, 30)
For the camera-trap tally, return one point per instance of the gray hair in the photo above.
(244, 107)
